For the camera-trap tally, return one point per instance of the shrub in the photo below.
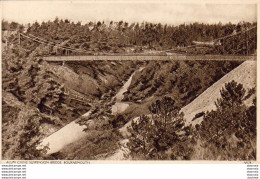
(229, 132)
(161, 135)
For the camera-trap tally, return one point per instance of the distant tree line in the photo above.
(119, 37)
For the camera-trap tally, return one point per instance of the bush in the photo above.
(161, 135)
(229, 132)
(23, 137)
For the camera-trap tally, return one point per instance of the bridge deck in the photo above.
(132, 57)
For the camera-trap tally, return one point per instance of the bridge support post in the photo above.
(6, 47)
(233, 45)
(19, 40)
(223, 48)
(63, 63)
(56, 50)
(247, 40)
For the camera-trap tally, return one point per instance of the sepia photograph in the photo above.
(129, 81)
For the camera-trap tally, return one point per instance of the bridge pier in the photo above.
(63, 63)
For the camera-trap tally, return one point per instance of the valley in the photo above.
(156, 109)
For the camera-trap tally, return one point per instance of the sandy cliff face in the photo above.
(93, 78)
(244, 74)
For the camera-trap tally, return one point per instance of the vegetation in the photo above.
(50, 92)
(156, 137)
(224, 134)
(230, 130)
(118, 37)
(21, 134)
(45, 88)
(183, 80)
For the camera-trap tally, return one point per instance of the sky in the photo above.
(135, 11)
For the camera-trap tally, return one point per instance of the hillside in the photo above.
(50, 95)
(182, 80)
(244, 74)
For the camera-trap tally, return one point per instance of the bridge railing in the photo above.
(144, 58)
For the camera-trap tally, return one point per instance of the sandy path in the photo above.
(118, 108)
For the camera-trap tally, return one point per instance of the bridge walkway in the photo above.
(148, 57)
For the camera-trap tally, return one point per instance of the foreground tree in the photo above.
(229, 132)
(231, 96)
(23, 138)
(160, 135)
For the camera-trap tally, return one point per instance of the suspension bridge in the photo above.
(147, 57)
(225, 43)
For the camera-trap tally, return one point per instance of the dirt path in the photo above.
(119, 107)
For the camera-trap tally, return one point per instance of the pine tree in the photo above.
(229, 132)
(151, 137)
(232, 94)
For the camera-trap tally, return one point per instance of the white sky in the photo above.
(166, 12)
